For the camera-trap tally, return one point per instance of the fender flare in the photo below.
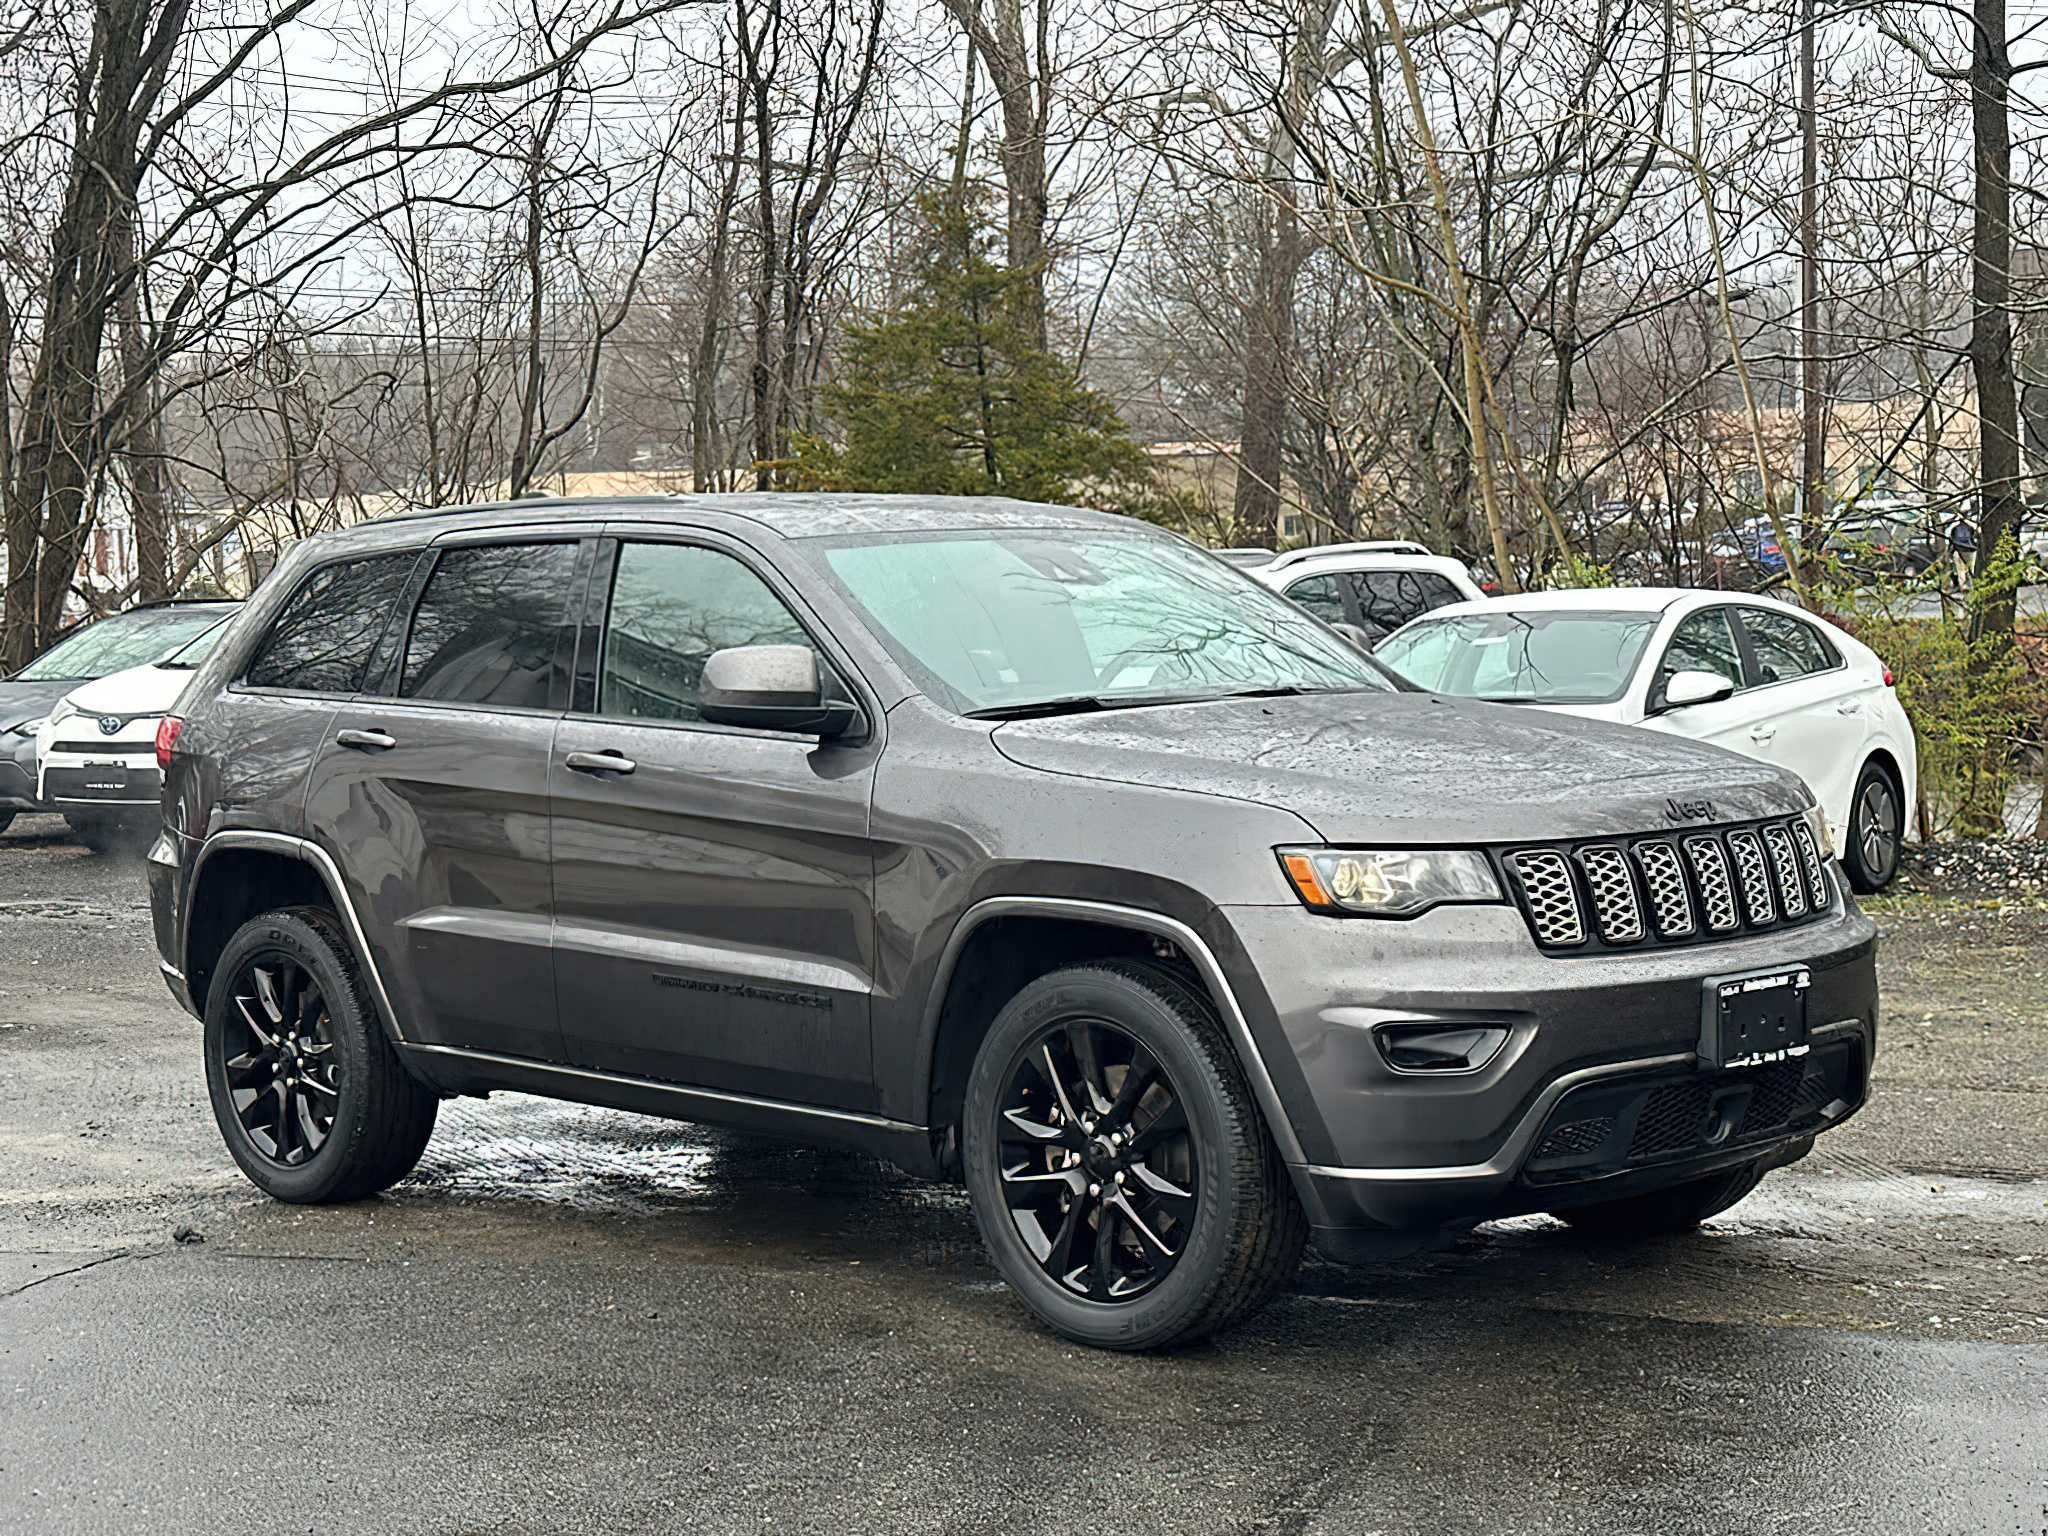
(306, 852)
(1235, 1024)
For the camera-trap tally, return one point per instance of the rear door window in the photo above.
(672, 606)
(1321, 596)
(1786, 647)
(492, 628)
(324, 634)
(1389, 599)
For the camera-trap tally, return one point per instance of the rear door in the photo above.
(432, 792)
(714, 907)
(1809, 712)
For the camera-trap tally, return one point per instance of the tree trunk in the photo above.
(1991, 355)
(1024, 88)
(148, 506)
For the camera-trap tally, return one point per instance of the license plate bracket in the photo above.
(1754, 1018)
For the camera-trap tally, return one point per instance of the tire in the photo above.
(381, 1116)
(1666, 1211)
(1241, 1236)
(1875, 833)
(6, 820)
(98, 833)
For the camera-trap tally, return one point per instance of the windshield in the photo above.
(132, 639)
(1580, 657)
(995, 623)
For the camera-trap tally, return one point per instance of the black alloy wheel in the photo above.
(1876, 829)
(1097, 1164)
(277, 1056)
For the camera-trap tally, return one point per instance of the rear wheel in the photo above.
(1120, 1171)
(1875, 832)
(1677, 1209)
(310, 1097)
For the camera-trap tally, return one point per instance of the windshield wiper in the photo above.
(1071, 704)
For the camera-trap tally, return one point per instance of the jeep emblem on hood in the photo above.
(1689, 810)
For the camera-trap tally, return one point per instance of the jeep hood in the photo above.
(1412, 767)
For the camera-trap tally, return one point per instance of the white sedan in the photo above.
(1748, 673)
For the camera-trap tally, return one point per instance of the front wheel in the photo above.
(1119, 1169)
(1875, 833)
(1666, 1211)
(310, 1096)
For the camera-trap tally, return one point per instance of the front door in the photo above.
(1705, 642)
(714, 919)
(434, 786)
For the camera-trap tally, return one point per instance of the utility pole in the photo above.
(1813, 447)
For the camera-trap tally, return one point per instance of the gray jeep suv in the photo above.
(1013, 843)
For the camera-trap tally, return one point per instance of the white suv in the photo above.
(96, 754)
(1375, 586)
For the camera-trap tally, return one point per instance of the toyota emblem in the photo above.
(110, 725)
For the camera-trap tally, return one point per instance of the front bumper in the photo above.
(18, 774)
(1603, 1044)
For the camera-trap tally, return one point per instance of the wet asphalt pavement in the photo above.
(571, 1320)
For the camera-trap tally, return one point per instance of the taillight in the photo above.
(169, 728)
(1889, 680)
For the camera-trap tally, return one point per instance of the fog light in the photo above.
(1439, 1047)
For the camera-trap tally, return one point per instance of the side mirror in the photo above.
(1692, 687)
(771, 688)
(1355, 635)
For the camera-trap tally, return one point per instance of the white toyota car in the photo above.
(96, 754)
(1748, 673)
(1373, 587)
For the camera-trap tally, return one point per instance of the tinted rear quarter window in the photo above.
(323, 636)
(1320, 596)
(490, 627)
(1389, 599)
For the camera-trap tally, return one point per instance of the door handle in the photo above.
(600, 762)
(1849, 707)
(1763, 733)
(367, 741)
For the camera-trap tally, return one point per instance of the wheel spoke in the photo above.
(262, 1033)
(307, 1080)
(1023, 1188)
(1059, 1258)
(1142, 1073)
(266, 993)
(1102, 1263)
(1018, 1128)
(1171, 1121)
(1151, 1240)
(1161, 1194)
(1081, 1039)
(1052, 1075)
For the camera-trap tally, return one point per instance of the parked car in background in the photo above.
(1244, 558)
(1373, 587)
(1882, 545)
(1747, 673)
(96, 752)
(1019, 844)
(139, 635)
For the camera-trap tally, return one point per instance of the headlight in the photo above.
(1388, 882)
(1817, 823)
(64, 711)
(25, 727)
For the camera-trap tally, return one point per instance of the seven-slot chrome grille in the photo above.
(1617, 893)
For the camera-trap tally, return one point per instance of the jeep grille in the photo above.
(1619, 893)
